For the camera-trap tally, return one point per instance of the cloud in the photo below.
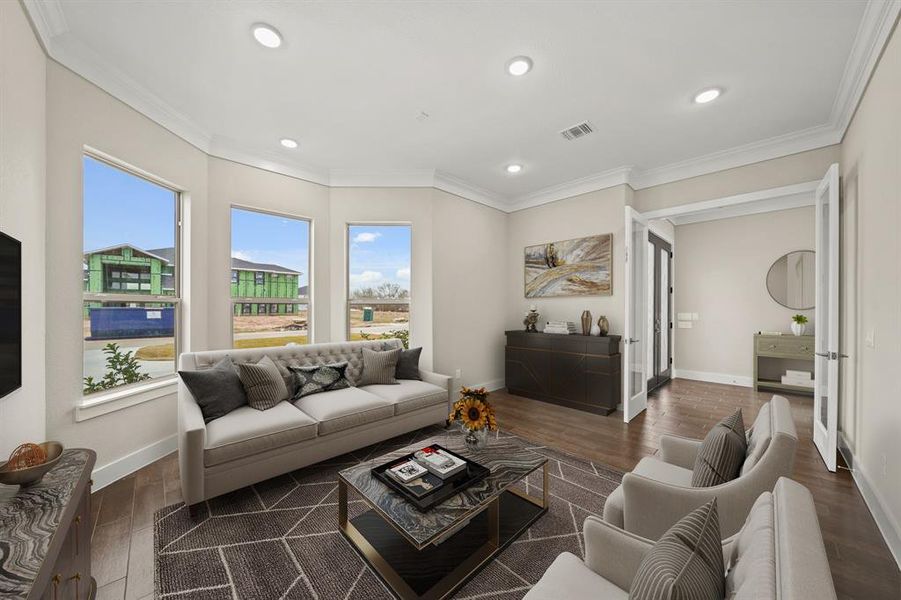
(403, 273)
(242, 255)
(366, 237)
(366, 277)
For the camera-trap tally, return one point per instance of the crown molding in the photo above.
(873, 32)
(876, 26)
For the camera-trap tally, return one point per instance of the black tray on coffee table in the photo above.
(454, 484)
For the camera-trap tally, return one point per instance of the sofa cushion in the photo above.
(722, 453)
(758, 438)
(379, 367)
(338, 410)
(656, 469)
(247, 431)
(263, 383)
(408, 364)
(319, 378)
(751, 565)
(568, 577)
(409, 395)
(686, 563)
(217, 391)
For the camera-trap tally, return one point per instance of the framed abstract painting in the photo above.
(578, 267)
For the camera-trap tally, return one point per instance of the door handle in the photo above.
(823, 354)
(632, 341)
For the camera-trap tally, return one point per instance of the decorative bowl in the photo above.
(32, 475)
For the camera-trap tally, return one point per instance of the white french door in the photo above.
(635, 339)
(826, 359)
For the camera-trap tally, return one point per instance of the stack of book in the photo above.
(798, 378)
(562, 327)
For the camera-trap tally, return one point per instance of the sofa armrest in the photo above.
(442, 381)
(612, 553)
(191, 444)
(679, 451)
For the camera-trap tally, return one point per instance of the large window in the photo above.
(378, 281)
(130, 277)
(270, 279)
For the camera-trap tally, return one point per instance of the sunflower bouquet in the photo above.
(473, 411)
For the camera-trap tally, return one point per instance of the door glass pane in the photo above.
(823, 343)
(638, 311)
(652, 317)
(664, 310)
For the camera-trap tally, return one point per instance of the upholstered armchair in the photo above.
(778, 553)
(658, 492)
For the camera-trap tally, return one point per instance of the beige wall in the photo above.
(469, 294)
(871, 261)
(79, 115)
(22, 212)
(233, 184)
(579, 216)
(720, 273)
(778, 172)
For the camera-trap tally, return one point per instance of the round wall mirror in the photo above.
(791, 280)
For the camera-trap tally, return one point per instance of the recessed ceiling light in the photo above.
(519, 65)
(289, 143)
(267, 35)
(708, 95)
(514, 168)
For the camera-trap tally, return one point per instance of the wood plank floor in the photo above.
(862, 567)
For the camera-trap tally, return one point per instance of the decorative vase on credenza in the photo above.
(603, 325)
(586, 322)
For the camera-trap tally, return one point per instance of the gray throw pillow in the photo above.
(686, 563)
(722, 453)
(319, 378)
(379, 367)
(408, 364)
(263, 383)
(217, 390)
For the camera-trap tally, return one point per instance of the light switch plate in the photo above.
(695, 317)
(683, 317)
(684, 325)
(871, 338)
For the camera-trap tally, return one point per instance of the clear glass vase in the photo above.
(476, 439)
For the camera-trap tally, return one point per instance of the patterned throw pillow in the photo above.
(263, 383)
(379, 367)
(320, 378)
(686, 563)
(722, 453)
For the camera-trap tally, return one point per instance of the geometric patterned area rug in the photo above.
(280, 538)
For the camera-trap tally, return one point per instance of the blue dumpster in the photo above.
(116, 323)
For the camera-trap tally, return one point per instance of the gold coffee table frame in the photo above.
(452, 580)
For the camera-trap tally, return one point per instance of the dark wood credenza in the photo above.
(46, 533)
(578, 371)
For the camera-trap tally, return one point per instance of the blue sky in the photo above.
(121, 208)
(379, 253)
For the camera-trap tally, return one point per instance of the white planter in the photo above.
(798, 328)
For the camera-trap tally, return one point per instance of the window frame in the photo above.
(349, 301)
(159, 386)
(241, 300)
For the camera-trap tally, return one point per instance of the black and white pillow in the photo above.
(379, 367)
(722, 453)
(686, 563)
(319, 378)
(263, 383)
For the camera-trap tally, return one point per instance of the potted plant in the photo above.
(475, 415)
(799, 324)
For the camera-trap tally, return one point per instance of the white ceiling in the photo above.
(352, 79)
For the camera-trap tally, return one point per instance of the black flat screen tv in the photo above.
(10, 314)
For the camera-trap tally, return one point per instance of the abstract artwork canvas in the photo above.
(579, 267)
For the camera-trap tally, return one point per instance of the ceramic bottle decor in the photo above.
(604, 325)
(586, 322)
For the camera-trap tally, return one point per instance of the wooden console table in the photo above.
(46, 533)
(578, 371)
(773, 354)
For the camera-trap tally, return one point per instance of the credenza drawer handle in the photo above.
(77, 522)
(77, 578)
(56, 580)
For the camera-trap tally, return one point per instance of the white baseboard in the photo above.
(110, 472)
(888, 527)
(494, 384)
(710, 377)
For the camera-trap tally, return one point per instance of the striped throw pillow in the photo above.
(263, 383)
(686, 563)
(722, 453)
(379, 367)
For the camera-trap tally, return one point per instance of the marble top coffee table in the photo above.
(432, 554)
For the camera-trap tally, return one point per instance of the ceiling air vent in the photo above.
(577, 131)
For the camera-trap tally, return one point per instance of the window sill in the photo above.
(106, 402)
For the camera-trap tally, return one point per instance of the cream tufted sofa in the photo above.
(248, 445)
